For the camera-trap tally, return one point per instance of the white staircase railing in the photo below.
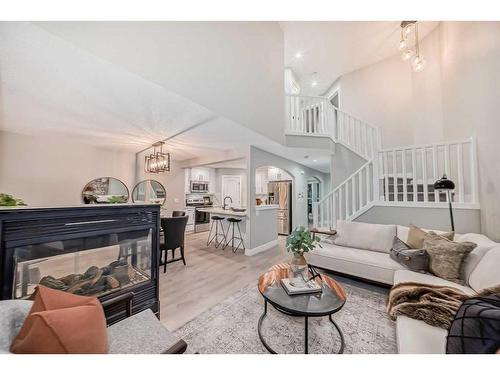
(404, 176)
(397, 176)
(308, 115)
(315, 115)
(348, 200)
(407, 174)
(357, 135)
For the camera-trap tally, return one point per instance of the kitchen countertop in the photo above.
(222, 212)
(267, 207)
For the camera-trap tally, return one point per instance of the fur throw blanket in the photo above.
(435, 305)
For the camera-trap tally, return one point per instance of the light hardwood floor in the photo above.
(209, 277)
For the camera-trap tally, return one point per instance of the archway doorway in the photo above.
(274, 186)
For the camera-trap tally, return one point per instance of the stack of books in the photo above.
(299, 286)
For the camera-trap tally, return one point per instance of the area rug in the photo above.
(230, 327)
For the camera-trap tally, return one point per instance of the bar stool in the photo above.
(232, 222)
(219, 232)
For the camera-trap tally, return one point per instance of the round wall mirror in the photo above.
(105, 190)
(149, 191)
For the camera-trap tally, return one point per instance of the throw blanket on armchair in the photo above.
(435, 305)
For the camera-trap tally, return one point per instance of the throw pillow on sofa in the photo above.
(446, 258)
(414, 259)
(417, 235)
(476, 327)
(375, 237)
(62, 323)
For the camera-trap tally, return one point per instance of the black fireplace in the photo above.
(102, 251)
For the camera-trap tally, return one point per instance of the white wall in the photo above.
(53, 169)
(455, 97)
(466, 221)
(379, 95)
(343, 164)
(404, 104)
(470, 58)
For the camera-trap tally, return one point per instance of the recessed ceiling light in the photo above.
(315, 161)
(314, 80)
(298, 55)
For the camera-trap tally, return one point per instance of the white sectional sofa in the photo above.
(362, 250)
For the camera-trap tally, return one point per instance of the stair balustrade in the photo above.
(316, 116)
(407, 174)
(308, 115)
(401, 176)
(348, 200)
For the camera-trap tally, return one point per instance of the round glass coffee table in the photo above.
(329, 301)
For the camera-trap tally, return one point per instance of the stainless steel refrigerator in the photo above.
(280, 193)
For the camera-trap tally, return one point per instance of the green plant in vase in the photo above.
(300, 241)
(117, 199)
(9, 200)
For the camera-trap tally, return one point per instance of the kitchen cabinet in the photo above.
(187, 180)
(275, 174)
(200, 174)
(212, 179)
(261, 181)
(190, 212)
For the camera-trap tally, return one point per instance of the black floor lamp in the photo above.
(444, 184)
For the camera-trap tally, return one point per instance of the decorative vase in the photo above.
(298, 267)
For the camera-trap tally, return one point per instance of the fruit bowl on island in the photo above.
(238, 209)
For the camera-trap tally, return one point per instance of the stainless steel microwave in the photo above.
(199, 187)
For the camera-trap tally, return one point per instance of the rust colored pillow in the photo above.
(62, 323)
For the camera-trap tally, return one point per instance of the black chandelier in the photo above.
(158, 161)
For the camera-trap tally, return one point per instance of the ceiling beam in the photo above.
(189, 128)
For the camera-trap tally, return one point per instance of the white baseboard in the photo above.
(261, 248)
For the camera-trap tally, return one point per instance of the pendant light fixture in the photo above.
(158, 161)
(403, 43)
(418, 62)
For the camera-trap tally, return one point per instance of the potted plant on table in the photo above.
(300, 241)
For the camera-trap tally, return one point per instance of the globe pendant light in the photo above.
(403, 44)
(406, 55)
(418, 64)
(419, 61)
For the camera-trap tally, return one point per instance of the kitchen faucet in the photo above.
(224, 206)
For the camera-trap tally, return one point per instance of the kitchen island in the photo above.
(264, 228)
(226, 214)
(266, 232)
(219, 211)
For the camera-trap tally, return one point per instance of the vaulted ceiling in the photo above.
(129, 84)
(332, 49)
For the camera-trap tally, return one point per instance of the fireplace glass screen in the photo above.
(88, 266)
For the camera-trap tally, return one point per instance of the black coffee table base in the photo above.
(306, 330)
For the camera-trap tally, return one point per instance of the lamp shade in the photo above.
(444, 184)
